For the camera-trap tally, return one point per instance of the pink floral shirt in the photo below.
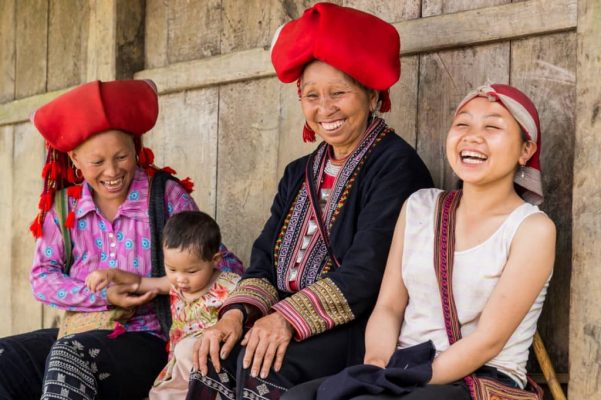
(98, 244)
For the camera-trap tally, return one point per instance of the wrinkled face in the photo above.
(484, 143)
(335, 107)
(108, 163)
(187, 272)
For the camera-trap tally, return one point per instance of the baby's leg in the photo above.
(175, 384)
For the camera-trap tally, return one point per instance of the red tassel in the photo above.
(74, 191)
(45, 170)
(168, 170)
(118, 331)
(70, 222)
(54, 170)
(36, 227)
(385, 99)
(187, 184)
(145, 156)
(308, 133)
(71, 175)
(46, 200)
(150, 171)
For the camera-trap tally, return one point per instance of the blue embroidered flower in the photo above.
(113, 263)
(135, 195)
(73, 202)
(48, 251)
(99, 243)
(103, 256)
(74, 290)
(102, 225)
(43, 275)
(61, 294)
(53, 305)
(145, 243)
(84, 256)
(41, 296)
(56, 220)
(103, 293)
(169, 208)
(82, 224)
(92, 297)
(53, 262)
(79, 211)
(129, 244)
(136, 263)
(120, 236)
(185, 196)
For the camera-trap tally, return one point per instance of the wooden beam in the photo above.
(19, 111)
(420, 35)
(585, 301)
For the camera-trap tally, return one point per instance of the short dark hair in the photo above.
(194, 231)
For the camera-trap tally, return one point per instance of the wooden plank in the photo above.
(585, 302)
(129, 38)
(544, 68)
(19, 110)
(194, 29)
(31, 47)
(516, 20)
(102, 40)
(445, 78)
(390, 11)
(254, 24)
(6, 203)
(67, 40)
(185, 138)
(7, 50)
(155, 47)
(28, 157)
(247, 160)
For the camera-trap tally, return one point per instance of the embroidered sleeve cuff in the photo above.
(315, 309)
(256, 292)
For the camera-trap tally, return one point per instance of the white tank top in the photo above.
(475, 274)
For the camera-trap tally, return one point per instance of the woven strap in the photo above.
(61, 206)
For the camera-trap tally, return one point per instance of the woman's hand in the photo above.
(267, 340)
(99, 279)
(228, 330)
(125, 296)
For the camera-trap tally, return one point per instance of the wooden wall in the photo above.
(227, 122)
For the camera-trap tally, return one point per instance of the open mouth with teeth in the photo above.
(114, 185)
(331, 126)
(472, 157)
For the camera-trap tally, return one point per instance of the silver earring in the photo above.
(522, 171)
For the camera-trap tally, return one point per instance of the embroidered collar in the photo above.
(135, 205)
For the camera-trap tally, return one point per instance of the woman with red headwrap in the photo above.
(317, 265)
(467, 273)
(111, 204)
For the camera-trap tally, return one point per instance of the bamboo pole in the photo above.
(547, 367)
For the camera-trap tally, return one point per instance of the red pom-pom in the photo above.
(187, 184)
(168, 170)
(385, 99)
(308, 133)
(70, 222)
(145, 156)
(36, 227)
(75, 191)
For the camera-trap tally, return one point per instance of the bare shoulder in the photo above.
(538, 226)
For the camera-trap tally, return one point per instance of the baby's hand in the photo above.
(99, 279)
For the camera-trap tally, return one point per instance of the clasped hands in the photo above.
(121, 287)
(266, 343)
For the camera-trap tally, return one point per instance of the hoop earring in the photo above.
(77, 173)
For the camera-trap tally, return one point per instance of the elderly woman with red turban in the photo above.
(111, 205)
(317, 265)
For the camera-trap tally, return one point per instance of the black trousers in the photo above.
(84, 366)
(316, 357)
(455, 391)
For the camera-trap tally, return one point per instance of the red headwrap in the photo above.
(525, 113)
(357, 43)
(69, 120)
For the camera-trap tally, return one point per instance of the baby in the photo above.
(196, 289)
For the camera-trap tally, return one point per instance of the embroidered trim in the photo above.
(254, 291)
(316, 309)
(317, 261)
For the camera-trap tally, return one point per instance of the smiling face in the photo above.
(335, 107)
(484, 143)
(187, 272)
(108, 163)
